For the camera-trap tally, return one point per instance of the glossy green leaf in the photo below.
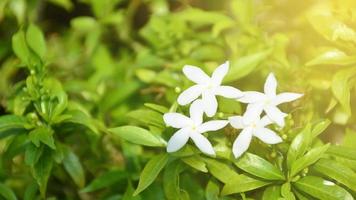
(171, 180)
(299, 145)
(147, 117)
(259, 167)
(42, 170)
(157, 108)
(19, 46)
(105, 180)
(272, 193)
(137, 135)
(43, 135)
(336, 171)
(212, 191)
(341, 151)
(242, 183)
(220, 170)
(196, 162)
(7, 193)
(322, 189)
(308, 159)
(74, 167)
(151, 171)
(243, 66)
(332, 57)
(341, 87)
(36, 40)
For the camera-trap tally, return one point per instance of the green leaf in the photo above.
(157, 108)
(35, 40)
(220, 170)
(171, 180)
(84, 23)
(309, 158)
(341, 87)
(332, 57)
(147, 117)
(44, 135)
(11, 125)
(286, 191)
(344, 152)
(32, 154)
(322, 189)
(66, 4)
(31, 191)
(259, 167)
(196, 162)
(137, 135)
(74, 168)
(299, 145)
(320, 127)
(212, 191)
(42, 170)
(11, 122)
(7, 193)
(336, 171)
(241, 67)
(20, 48)
(242, 183)
(151, 171)
(82, 118)
(272, 193)
(105, 180)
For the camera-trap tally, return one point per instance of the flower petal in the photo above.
(210, 103)
(176, 120)
(220, 72)
(236, 122)
(286, 97)
(228, 92)
(267, 136)
(178, 140)
(213, 125)
(265, 121)
(270, 86)
(253, 113)
(275, 115)
(189, 95)
(196, 111)
(203, 144)
(242, 142)
(252, 97)
(195, 74)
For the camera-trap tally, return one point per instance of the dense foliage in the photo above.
(84, 85)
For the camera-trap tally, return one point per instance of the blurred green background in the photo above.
(112, 57)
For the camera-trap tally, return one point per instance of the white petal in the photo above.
(176, 120)
(219, 73)
(178, 140)
(267, 136)
(253, 113)
(270, 85)
(242, 142)
(275, 115)
(196, 111)
(189, 95)
(228, 92)
(286, 97)
(210, 103)
(252, 97)
(213, 125)
(195, 74)
(265, 121)
(203, 144)
(236, 122)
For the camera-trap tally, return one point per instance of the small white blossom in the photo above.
(269, 100)
(192, 127)
(207, 87)
(251, 125)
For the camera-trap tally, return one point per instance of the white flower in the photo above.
(269, 100)
(192, 127)
(251, 125)
(207, 87)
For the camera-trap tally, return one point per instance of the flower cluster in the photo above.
(203, 95)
